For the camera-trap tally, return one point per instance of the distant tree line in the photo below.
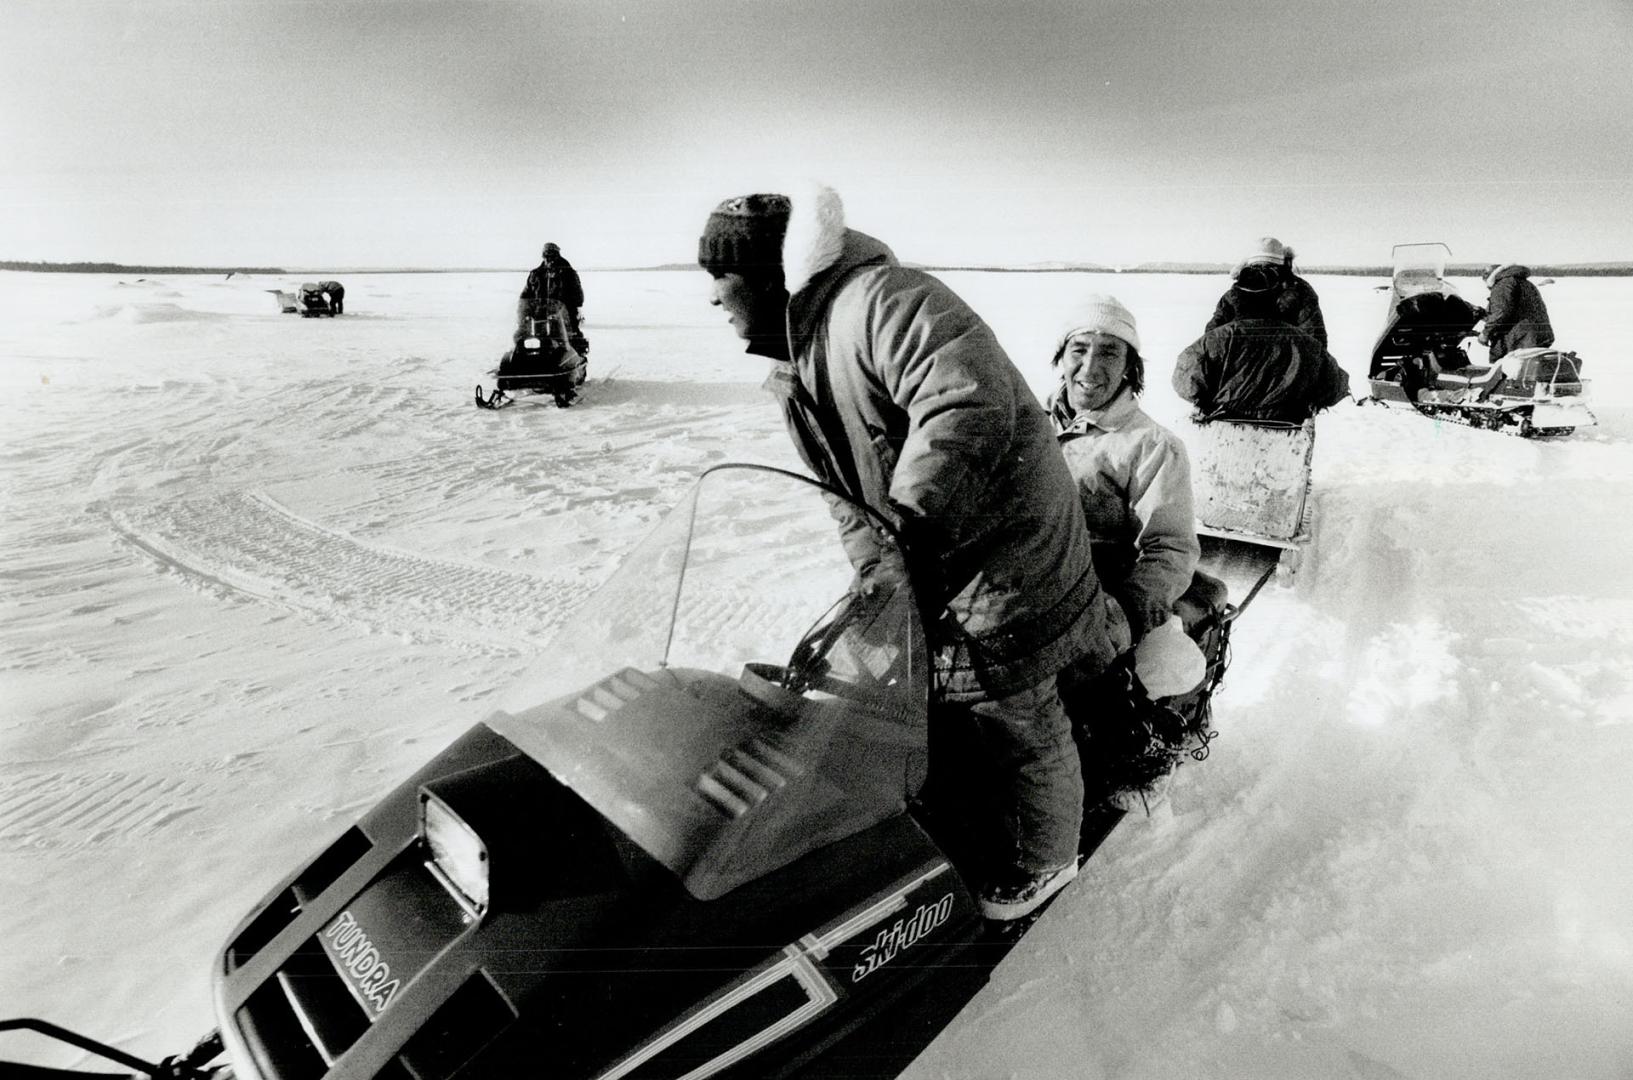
(122, 268)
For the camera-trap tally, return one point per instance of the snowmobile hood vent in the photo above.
(714, 779)
(745, 776)
(287, 903)
(612, 693)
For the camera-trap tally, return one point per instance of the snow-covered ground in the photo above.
(259, 568)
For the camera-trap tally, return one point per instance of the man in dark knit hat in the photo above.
(553, 279)
(897, 394)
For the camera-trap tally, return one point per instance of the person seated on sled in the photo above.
(1133, 475)
(336, 294)
(1516, 317)
(553, 279)
(895, 392)
(1296, 301)
(1257, 366)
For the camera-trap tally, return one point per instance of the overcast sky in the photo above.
(368, 133)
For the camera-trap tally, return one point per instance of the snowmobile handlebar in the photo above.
(188, 1066)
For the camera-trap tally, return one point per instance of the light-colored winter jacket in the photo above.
(1134, 479)
(899, 395)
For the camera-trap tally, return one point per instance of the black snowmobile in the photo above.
(314, 299)
(1420, 360)
(665, 854)
(548, 358)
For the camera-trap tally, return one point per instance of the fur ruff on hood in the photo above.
(1507, 270)
(816, 234)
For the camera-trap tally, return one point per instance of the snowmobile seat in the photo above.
(1472, 377)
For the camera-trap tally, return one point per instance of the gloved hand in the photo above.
(1145, 613)
(921, 549)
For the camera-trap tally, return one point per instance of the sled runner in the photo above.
(543, 361)
(714, 834)
(1420, 361)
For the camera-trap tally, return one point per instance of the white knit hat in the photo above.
(1099, 314)
(1270, 250)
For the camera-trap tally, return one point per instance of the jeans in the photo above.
(1040, 778)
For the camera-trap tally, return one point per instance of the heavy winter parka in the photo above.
(1296, 304)
(898, 394)
(1516, 317)
(1258, 369)
(555, 281)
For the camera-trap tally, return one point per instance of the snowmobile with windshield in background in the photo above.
(714, 835)
(547, 358)
(1420, 360)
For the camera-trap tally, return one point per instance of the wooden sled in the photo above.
(1251, 483)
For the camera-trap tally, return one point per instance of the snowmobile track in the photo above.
(63, 811)
(241, 542)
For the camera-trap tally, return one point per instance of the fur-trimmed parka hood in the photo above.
(1507, 270)
(818, 240)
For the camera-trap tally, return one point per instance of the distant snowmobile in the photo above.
(1420, 362)
(663, 855)
(542, 361)
(319, 298)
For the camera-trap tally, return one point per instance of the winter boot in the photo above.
(1020, 895)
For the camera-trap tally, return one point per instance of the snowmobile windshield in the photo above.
(730, 699)
(1419, 268)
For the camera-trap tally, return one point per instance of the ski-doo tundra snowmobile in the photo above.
(544, 360)
(1420, 362)
(699, 843)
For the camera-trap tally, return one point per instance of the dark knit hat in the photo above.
(551, 249)
(744, 233)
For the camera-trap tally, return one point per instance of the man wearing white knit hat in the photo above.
(1133, 475)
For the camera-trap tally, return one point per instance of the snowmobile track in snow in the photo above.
(245, 543)
(59, 810)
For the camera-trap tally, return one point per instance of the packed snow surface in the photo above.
(259, 568)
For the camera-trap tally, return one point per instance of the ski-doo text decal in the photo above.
(361, 962)
(901, 935)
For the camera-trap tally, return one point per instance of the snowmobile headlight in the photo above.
(456, 851)
(530, 343)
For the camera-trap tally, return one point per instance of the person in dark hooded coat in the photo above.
(1516, 317)
(1258, 367)
(895, 392)
(553, 279)
(1295, 299)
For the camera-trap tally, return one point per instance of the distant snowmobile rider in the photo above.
(553, 279)
(896, 393)
(1516, 317)
(1258, 367)
(1133, 475)
(1296, 300)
